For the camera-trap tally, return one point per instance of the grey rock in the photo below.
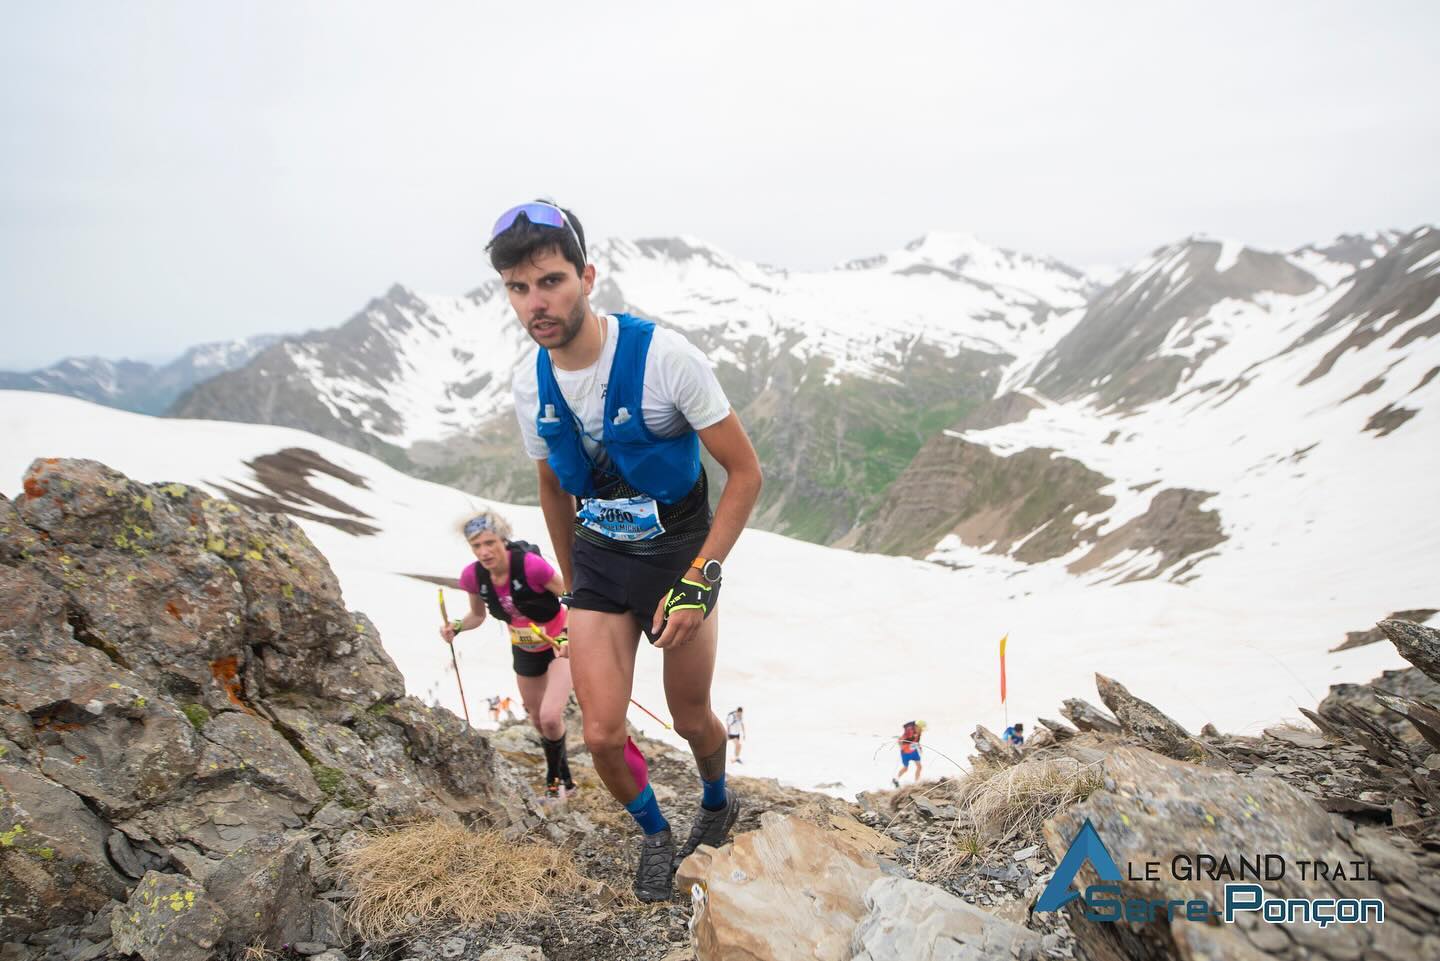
(1088, 717)
(991, 747)
(512, 952)
(911, 921)
(268, 886)
(452, 948)
(89, 952)
(54, 869)
(1297, 737)
(1150, 725)
(1058, 729)
(1165, 807)
(328, 924)
(1422, 717)
(1410, 682)
(936, 812)
(243, 746)
(1418, 644)
(123, 855)
(168, 918)
(309, 948)
(1374, 635)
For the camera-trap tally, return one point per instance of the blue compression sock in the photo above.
(712, 797)
(646, 812)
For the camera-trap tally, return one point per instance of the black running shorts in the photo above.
(616, 583)
(531, 663)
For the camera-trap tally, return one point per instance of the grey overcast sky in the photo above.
(178, 172)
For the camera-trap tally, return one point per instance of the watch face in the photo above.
(711, 570)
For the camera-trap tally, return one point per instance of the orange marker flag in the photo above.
(1002, 667)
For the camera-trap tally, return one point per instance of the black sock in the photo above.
(565, 777)
(557, 765)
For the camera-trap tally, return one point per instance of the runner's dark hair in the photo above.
(525, 241)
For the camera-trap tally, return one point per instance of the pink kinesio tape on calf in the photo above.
(636, 762)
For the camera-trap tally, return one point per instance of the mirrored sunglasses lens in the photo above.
(542, 214)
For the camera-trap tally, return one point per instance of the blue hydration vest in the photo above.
(663, 468)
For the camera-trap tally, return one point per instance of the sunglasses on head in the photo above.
(541, 214)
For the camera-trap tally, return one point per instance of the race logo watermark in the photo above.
(1106, 903)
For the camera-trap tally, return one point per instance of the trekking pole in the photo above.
(445, 618)
(651, 713)
(536, 630)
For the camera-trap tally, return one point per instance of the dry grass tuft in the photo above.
(258, 952)
(436, 871)
(1007, 805)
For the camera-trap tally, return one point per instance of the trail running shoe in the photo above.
(556, 790)
(655, 878)
(711, 827)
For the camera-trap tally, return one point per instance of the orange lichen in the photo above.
(226, 672)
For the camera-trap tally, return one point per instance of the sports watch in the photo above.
(710, 570)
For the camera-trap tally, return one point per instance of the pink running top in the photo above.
(537, 574)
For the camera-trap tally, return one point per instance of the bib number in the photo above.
(526, 639)
(622, 519)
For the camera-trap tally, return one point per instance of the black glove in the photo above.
(688, 594)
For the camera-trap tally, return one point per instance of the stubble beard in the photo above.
(569, 326)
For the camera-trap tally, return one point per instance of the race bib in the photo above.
(525, 638)
(622, 519)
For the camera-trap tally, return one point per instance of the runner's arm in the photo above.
(559, 509)
(469, 622)
(477, 614)
(728, 443)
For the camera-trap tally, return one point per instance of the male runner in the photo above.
(613, 410)
(735, 730)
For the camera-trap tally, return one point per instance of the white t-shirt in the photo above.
(681, 392)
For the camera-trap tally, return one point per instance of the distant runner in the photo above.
(510, 580)
(494, 705)
(614, 411)
(1014, 735)
(909, 750)
(735, 730)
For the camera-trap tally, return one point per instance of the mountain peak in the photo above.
(948, 245)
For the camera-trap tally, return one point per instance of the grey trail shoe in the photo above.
(655, 878)
(711, 827)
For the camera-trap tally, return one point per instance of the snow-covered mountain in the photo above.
(132, 384)
(825, 680)
(1216, 400)
(945, 393)
(840, 374)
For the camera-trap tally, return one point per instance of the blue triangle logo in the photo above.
(1086, 846)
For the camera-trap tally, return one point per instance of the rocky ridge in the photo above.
(191, 722)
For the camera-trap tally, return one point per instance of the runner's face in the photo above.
(489, 549)
(549, 297)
